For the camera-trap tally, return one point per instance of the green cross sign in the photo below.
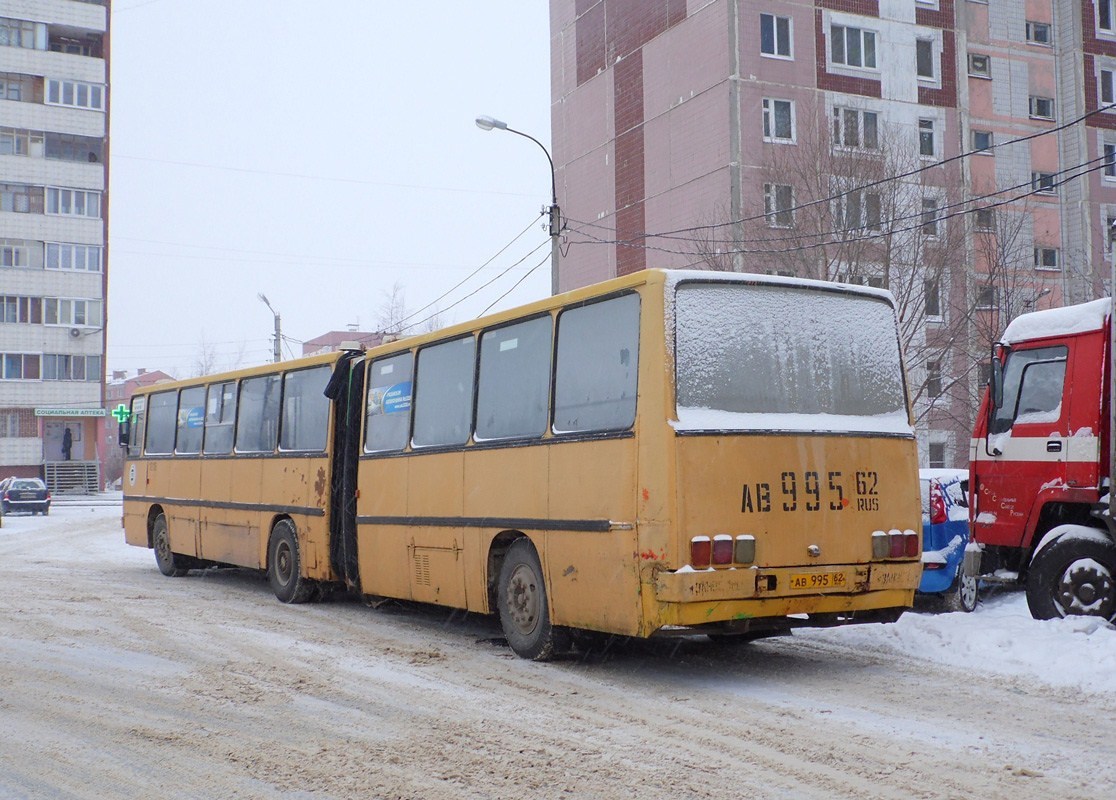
(121, 413)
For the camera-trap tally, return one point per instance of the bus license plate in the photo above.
(817, 580)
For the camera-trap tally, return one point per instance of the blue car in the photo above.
(945, 534)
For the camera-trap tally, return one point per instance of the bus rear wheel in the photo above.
(284, 565)
(523, 608)
(1074, 576)
(170, 563)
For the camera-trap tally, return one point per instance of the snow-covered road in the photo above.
(118, 682)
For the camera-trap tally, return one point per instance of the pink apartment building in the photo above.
(832, 140)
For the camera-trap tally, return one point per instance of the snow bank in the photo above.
(999, 638)
(1058, 321)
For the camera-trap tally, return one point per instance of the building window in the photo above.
(932, 292)
(1106, 19)
(985, 219)
(926, 143)
(924, 58)
(778, 205)
(1043, 183)
(21, 33)
(982, 140)
(14, 253)
(76, 257)
(69, 147)
(75, 94)
(1038, 32)
(19, 366)
(775, 36)
(1107, 96)
(1041, 107)
(1046, 258)
(24, 310)
(936, 453)
(929, 216)
(857, 210)
(17, 142)
(855, 128)
(852, 47)
(986, 297)
(933, 379)
(73, 202)
(21, 198)
(778, 120)
(61, 367)
(64, 311)
(1109, 160)
(980, 66)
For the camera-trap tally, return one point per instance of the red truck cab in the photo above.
(1040, 461)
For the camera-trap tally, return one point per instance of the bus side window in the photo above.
(388, 415)
(305, 410)
(597, 364)
(514, 386)
(257, 415)
(161, 423)
(220, 411)
(444, 393)
(139, 423)
(190, 416)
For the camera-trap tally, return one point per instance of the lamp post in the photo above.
(278, 356)
(487, 124)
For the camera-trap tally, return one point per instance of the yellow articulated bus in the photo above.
(668, 452)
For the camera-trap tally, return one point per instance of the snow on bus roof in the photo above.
(674, 276)
(1058, 321)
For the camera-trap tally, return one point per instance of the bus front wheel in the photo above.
(284, 565)
(170, 563)
(523, 608)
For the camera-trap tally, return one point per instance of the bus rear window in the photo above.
(786, 357)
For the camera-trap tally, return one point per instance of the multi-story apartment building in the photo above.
(920, 145)
(53, 223)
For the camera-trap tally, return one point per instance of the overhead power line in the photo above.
(860, 188)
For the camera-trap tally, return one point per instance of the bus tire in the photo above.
(284, 565)
(1071, 576)
(170, 563)
(523, 608)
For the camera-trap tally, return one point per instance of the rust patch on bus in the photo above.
(320, 485)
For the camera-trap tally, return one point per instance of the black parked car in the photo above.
(24, 494)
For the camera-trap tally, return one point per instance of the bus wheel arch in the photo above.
(1073, 572)
(284, 563)
(523, 607)
(170, 563)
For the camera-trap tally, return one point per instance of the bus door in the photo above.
(346, 390)
(1026, 447)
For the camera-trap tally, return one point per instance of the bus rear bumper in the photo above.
(698, 598)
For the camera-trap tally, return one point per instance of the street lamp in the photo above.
(278, 335)
(489, 123)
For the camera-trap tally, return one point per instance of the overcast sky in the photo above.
(318, 153)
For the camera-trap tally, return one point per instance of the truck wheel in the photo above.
(524, 611)
(1074, 576)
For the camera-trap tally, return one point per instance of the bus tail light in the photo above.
(880, 546)
(700, 551)
(722, 549)
(910, 539)
(898, 543)
(745, 550)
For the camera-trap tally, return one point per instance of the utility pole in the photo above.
(278, 337)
